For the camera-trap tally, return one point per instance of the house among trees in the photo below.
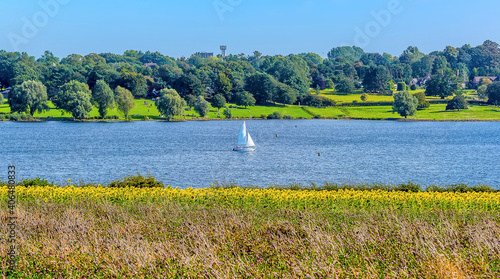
(476, 81)
(6, 92)
(150, 65)
(420, 82)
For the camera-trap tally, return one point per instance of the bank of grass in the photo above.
(433, 113)
(283, 232)
(146, 110)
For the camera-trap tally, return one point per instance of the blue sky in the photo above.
(182, 27)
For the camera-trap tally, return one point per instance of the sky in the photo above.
(182, 27)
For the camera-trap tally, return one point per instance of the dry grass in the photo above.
(100, 239)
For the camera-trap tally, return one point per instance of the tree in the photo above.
(228, 113)
(223, 86)
(422, 101)
(364, 97)
(458, 102)
(201, 106)
(124, 100)
(261, 86)
(481, 92)
(376, 79)
(345, 85)
(485, 81)
(218, 101)
(329, 84)
(103, 97)
(402, 86)
(190, 100)
(170, 103)
(405, 104)
(75, 98)
(30, 96)
(1, 99)
(493, 93)
(442, 85)
(244, 98)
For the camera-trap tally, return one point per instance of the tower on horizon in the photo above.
(223, 49)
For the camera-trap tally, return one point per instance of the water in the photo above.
(185, 154)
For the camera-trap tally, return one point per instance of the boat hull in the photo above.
(244, 149)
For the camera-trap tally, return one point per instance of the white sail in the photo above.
(250, 141)
(242, 138)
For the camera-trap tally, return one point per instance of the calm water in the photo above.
(196, 154)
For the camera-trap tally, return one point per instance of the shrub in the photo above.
(287, 116)
(410, 187)
(275, 115)
(35, 182)
(317, 116)
(137, 181)
(263, 116)
(413, 87)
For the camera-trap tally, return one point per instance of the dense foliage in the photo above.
(249, 79)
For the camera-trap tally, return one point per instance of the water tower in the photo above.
(223, 49)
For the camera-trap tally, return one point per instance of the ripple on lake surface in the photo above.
(196, 154)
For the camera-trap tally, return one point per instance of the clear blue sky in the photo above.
(182, 27)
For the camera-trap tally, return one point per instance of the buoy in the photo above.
(319, 154)
(276, 135)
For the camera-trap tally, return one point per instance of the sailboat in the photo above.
(245, 142)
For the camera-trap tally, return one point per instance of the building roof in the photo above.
(476, 80)
(150, 65)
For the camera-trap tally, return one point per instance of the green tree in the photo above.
(202, 107)
(481, 92)
(345, 85)
(190, 100)
(228, 113)
(218, 101)
(103, 97)
(30, 96)
(405, 104)
(75, 98)
(364, 97)
(135, 82)
(329, 84)
(124, 100)
(493, 93)
(442, 85)
(170, 103)
(422, 101)
(376, 79)
(261, 85)
(402, 86)
(458, 102)
(223, 86)
(244, 98)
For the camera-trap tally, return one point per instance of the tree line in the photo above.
(76, 83)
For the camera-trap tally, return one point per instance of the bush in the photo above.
(410, 187)
(317, 116)
(263, 116)
(137, 181)
(287, 117)
(413, 87)
(275, 115)
(35, 182)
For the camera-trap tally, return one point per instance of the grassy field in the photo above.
(434, 112)
(98, 232)
(146, 108)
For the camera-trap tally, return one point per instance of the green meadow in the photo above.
(146, 110)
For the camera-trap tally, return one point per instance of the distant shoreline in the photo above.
(249, 119)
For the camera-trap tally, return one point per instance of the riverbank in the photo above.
(145, 110)
(98, 232)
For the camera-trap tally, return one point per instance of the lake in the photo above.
(196, 154)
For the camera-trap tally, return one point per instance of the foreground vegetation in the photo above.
(344, 231)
